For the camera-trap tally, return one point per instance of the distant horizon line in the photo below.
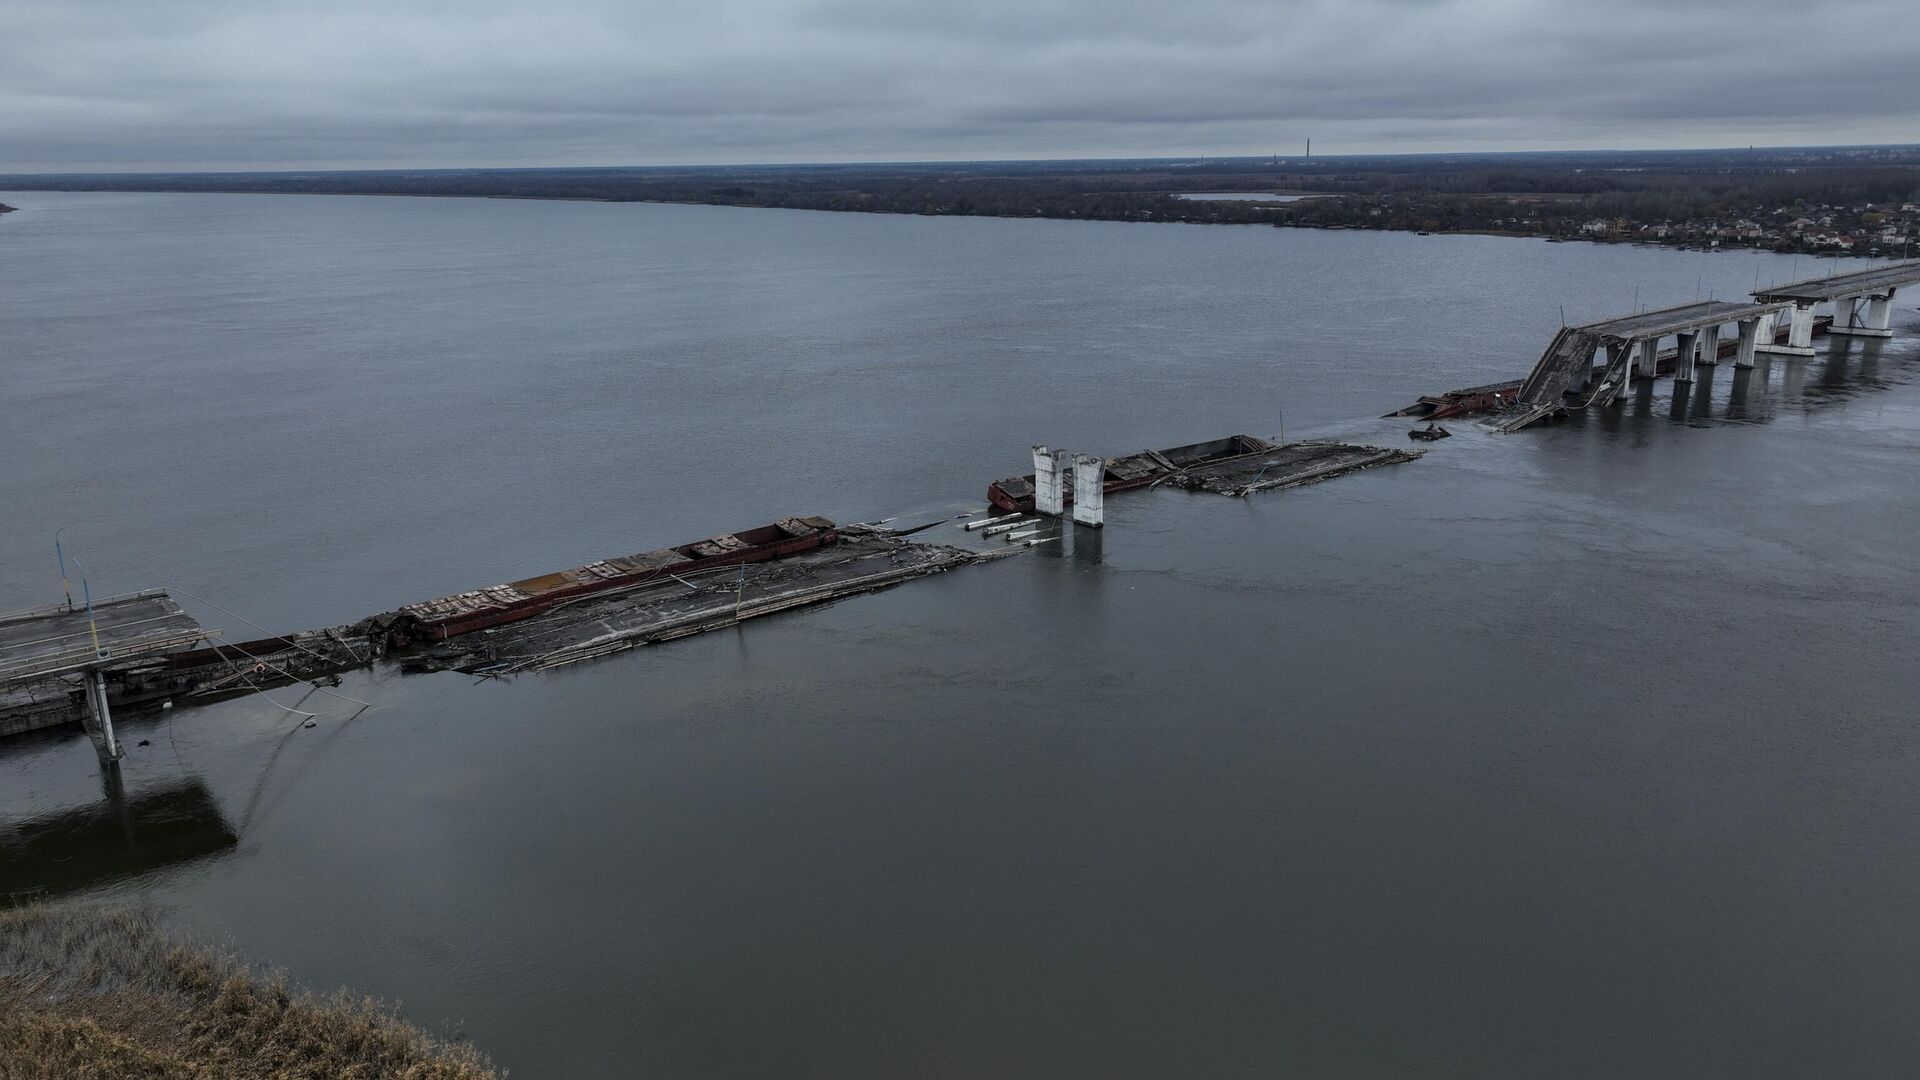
(1295, 158)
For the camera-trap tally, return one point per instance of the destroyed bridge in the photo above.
(1565, 377)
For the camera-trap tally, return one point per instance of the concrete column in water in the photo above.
(99, 719)
(1049, 480)
(1877, 320)
(1799, 332)
(1709, 346)
(1684, 355)
(1880, 312)
(1844, 317)
(1749, 336)
(1089, 490)
(1646, 361)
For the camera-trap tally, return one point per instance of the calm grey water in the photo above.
(1587, 752)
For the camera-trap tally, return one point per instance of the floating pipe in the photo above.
(996, 530)
(1024, 535)
(984, 522)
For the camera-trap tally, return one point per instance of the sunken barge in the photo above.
(648, 609)
(143, 650)
(1235, 465)
(480, 609)
(1015, 494)
(62, 665)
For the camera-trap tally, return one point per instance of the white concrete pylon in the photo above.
(1880, 312)
(1684, 355)
(1843, 314)
(1049, 480)
(1875, 321)
(1649, 359)
(1089, 490)
(1749, 336)
(1709, 349)
(1799, 331)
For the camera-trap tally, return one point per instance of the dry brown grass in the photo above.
(90, 992)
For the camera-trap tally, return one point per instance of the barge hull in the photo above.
(863, 561)
(482, 609)
(1130, 472)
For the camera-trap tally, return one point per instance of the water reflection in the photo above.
(1643, 398)
(1678, 408)
(1746, 384)
(1853, 366)
(1794, 379)
(1702, 393)
(1053, 533)
(118, 837)
(1848, 369)
(1833, 375)
(1089, 545)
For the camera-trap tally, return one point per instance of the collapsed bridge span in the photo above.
(1565, 375)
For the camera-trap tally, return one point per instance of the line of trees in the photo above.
(1546, 193)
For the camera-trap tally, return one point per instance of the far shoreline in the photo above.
(1505, 234)
(1807, 200)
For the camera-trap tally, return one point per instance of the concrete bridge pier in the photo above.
(1876, 321)
(1799, 331)
(1709, 347)
(1089, 490)
(1049, 481)
(1845, 315)
(1685, 355)
(1647, 362)
(1880, 313)
(1749, 339)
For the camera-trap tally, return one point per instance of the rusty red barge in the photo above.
(478, 609)
(1015, 493)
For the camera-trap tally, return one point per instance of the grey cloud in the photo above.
(212, 83)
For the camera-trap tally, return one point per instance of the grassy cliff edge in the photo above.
(100, 991)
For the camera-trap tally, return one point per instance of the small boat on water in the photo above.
(1430, 433)
(478, 609)
(1015, 493)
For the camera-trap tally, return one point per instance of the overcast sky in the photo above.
(194, 84)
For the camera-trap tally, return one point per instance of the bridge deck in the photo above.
(47, 641)
(1568, 362)
(1677, 320)
(1853, 284)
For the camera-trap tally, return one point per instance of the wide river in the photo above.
(1584, 752)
